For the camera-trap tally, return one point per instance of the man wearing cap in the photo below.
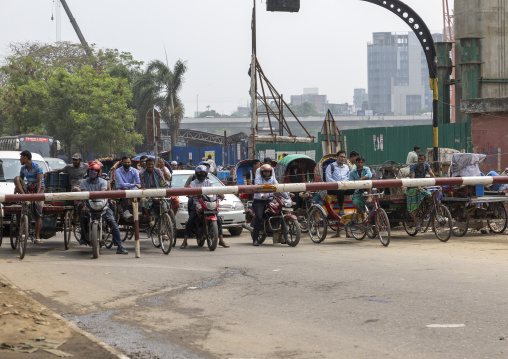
(174, 165)
(76, 171)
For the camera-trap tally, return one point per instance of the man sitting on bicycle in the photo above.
(150, 177)
(31, 180)
(261, 200)
(360, 173)
(200, 181)
(417, 196)
(94, 183)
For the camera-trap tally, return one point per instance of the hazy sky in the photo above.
(324, 45)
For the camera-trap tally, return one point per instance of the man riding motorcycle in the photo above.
(201, 180)
(261, 200)
(95, 183)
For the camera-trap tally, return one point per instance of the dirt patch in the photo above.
(23, 320)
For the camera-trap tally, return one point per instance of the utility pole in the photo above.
(76, 28)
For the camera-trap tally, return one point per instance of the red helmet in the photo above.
(92, 165)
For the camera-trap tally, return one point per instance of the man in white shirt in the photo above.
(337, 172)
(261, 200)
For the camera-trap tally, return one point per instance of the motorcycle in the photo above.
(278, 221)
(95, 210)
(206, 227)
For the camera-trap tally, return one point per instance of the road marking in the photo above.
(192, 288)
(276, 270)
(446, 325)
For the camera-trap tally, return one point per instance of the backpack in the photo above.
(325, 166)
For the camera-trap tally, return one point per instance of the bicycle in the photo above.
(377, 222)
(163, 230)
(434, 213)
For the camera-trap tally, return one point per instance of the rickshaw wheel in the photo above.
(67, 226)
(317, 226)
(498, 223)
(356, 227)
(460, 219)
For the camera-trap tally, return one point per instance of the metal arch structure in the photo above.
(200, 137)
(418, 26)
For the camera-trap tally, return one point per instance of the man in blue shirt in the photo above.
(416, 196)
(261, 200)
(127, 178)
(31, 180)
(360, 173)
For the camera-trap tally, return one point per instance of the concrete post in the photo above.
(444, 70)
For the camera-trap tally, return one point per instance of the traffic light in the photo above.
(283, 5)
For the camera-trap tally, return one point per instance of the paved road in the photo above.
(418, 298)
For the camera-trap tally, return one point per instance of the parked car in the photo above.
(55, 163)
(231, 209)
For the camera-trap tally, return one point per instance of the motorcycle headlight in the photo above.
(211, 206)
(237, 206)
(97, 204)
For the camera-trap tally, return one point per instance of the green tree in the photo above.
(24, 96)
(212, 113)
(90, 112)
(159, 86)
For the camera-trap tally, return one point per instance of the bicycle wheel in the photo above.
(498, 222)
(442, 223)
(94, 237)
(292, 232)
(357, 227)
(23, 234)
(460, 219)
(155, 233)
(370, 229)
(317, 225)
(165, 233)
(409, 227)
(129, 232)
(108, 240)
(383, 227)
(67, 225)
(213, 235)
(173, 223)
(14, 230)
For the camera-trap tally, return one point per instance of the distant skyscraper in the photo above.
(398, 77)
(361, 100)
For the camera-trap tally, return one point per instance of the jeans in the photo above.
(258, 206)
(192, 218)
(110, 220)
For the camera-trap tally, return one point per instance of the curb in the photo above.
(71, 325)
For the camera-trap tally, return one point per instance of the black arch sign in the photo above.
(415, 22)
(420, 29)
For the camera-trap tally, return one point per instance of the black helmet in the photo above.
(201, 173)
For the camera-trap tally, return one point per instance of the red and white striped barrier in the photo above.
(292, 187)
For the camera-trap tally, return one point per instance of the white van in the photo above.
(10, 167)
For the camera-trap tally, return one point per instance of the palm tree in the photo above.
(159, 86)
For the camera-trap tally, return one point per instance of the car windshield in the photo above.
(9, 168)
(56, 163)
(178, 180)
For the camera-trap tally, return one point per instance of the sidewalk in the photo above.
(44, 333)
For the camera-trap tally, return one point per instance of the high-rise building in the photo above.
(398, 77)
(312, 96)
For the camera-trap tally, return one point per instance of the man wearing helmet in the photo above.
(95, 183)
(261, 200)
(201, 180)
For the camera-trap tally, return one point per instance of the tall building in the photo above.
(398, 77)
